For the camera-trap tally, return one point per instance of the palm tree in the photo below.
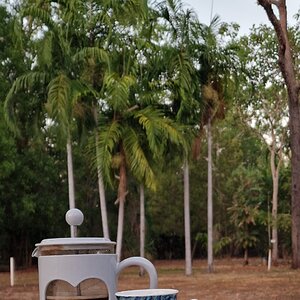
(93, 73)
(142, 222)
(217, 64)
(129, 139)
(132, 133)
(104, 25)
(112, 14)
(56, 75)
(184, 88)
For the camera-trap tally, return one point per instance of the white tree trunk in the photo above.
(120, 228)
(142, 221)
(274, 224)
(103, 205)
(101, 190)
(209, 200)
(71, 181)
(275, 180)
(187, 226)
(142, 224)
(121, 199)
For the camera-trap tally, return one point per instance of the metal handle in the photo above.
(141, 262)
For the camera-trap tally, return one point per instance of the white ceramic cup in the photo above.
(148, 294)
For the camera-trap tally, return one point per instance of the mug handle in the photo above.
(35, 252)
(141, 262)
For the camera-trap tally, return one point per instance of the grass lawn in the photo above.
(231, 280)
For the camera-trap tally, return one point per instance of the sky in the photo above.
(244, 12)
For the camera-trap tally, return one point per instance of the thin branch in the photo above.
(132, 108)
(118, 199)
(275, 2)
(267, 5)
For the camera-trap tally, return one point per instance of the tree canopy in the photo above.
(129, 88)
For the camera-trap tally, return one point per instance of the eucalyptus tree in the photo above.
(287, 65)
(237, 153)
(264, 107)
(182, 83)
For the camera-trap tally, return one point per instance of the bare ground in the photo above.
(231, 280)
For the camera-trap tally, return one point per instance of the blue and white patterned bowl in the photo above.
(149, 294)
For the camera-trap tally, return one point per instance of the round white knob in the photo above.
(74, 217)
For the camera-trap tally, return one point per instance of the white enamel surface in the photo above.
(79, 267)
(75, 241)
(148, 292)
(74, 217)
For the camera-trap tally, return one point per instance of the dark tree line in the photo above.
(152, 100)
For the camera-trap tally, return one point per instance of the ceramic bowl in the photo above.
(149, 294)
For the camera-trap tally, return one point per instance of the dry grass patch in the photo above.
(231, 280)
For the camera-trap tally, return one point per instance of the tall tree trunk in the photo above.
(121, 199)
(275, 180)
(142, 221)
(102, 202)
(187, 222)
(73, 229)
(274, 223)
(295, 145)
(120, 228)
(246, 262)
(209, 200)
(286, 65)
(142, 224)
(101, 188)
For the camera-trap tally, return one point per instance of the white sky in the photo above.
(244, 12)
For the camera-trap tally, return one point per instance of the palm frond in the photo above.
(95, 53)
(140, 8)
(17, 33)
(103, 17)
(108, 138)
(45, 50)
(159, 130)
(23, 83)
(117, 90)
(59, 98)
(148, 118)
(174, 134)
(80, 88)
(137, 160)
(215, 24)
(184, 69)
(41, 15)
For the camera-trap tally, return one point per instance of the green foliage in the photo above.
(221, 244)
(136, 158)
(32, 197)
(109, 135)
(246, 204)
(137, 82)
